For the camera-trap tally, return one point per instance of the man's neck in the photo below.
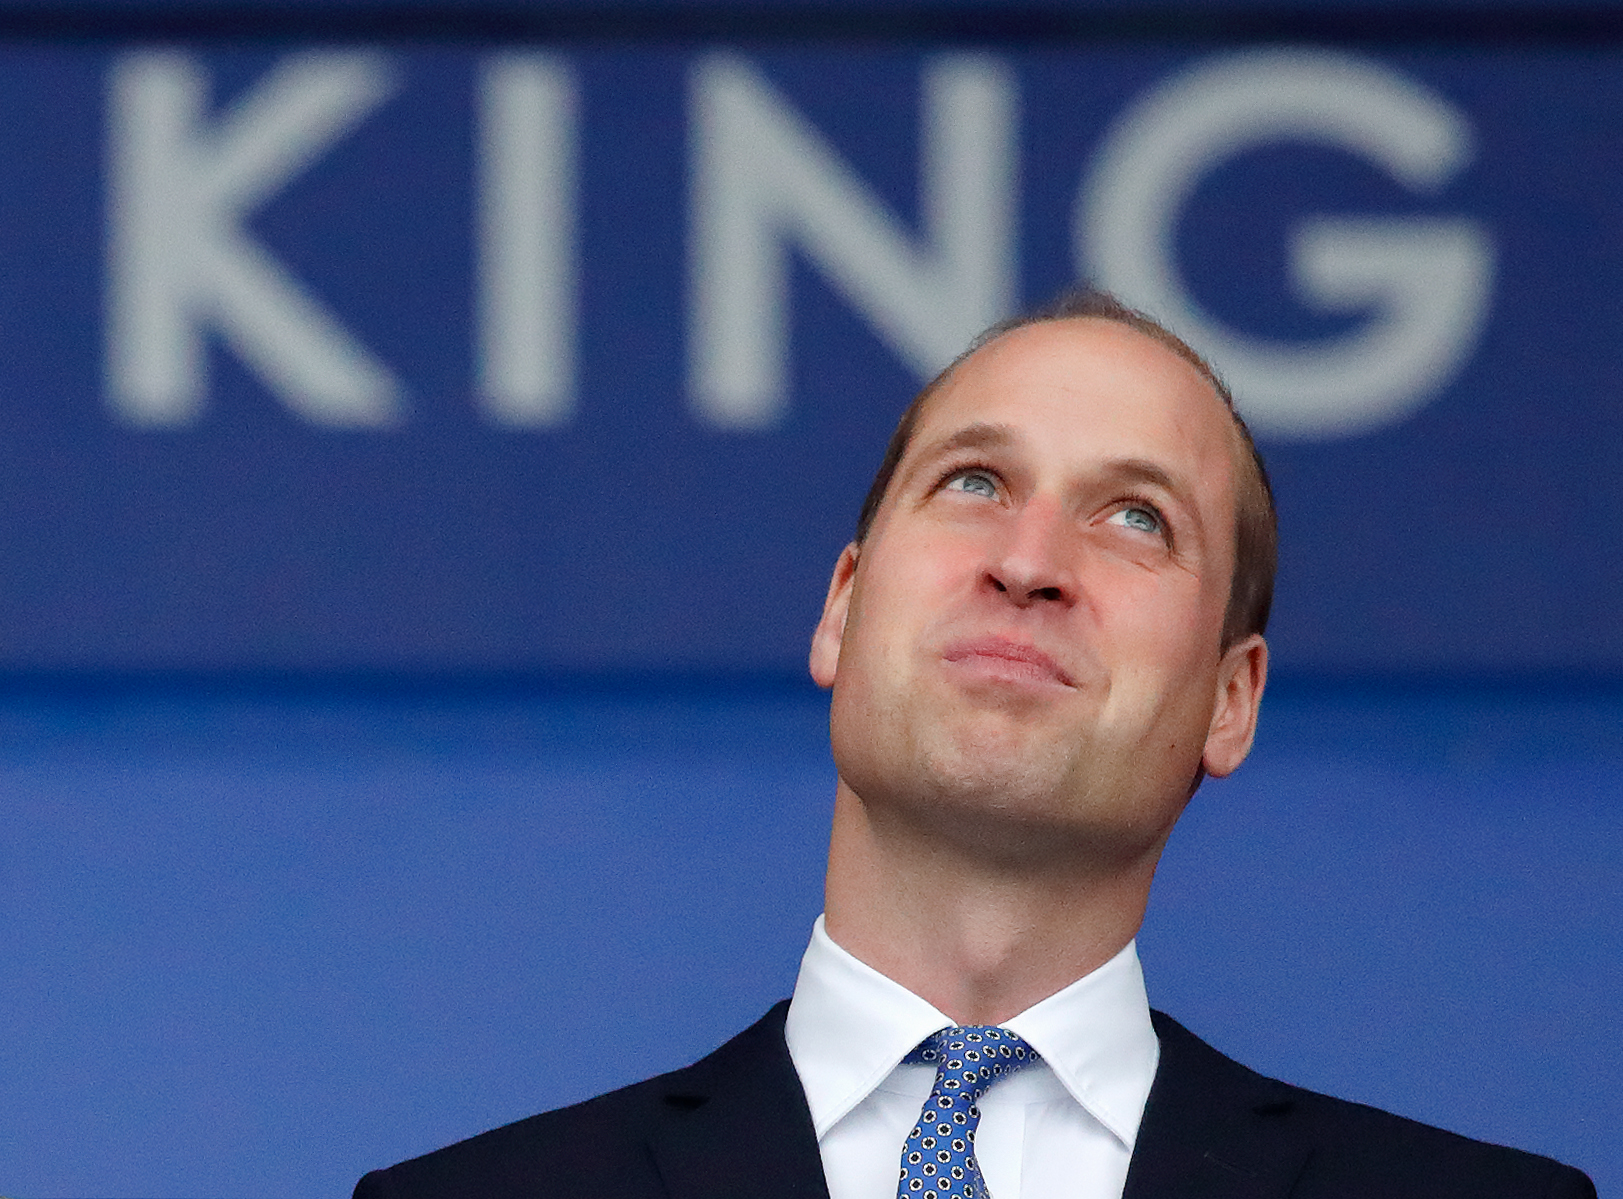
(980, 940)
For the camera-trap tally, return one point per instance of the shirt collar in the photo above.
(849, 1026)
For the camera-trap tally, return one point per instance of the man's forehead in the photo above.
(1083, 351)
(1103, 374)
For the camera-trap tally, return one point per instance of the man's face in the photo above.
(1025, 652)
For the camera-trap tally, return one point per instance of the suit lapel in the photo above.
(1212, 1129)
(736, 1125)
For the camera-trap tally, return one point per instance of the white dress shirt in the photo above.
(1063, 1127)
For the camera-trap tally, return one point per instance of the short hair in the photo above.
(1256, 525)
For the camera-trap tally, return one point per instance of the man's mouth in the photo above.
(1011, 659)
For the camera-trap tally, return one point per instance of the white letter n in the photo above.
(179, 258)
(763, 176)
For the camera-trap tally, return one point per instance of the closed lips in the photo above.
(1009, 651)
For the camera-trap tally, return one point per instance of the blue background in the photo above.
(336, 768)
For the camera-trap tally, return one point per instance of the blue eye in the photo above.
(974, 482)
(1145, 520)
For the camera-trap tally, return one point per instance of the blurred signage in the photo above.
(533, 360)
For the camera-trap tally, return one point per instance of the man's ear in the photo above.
(825, 646)
(1240, 680)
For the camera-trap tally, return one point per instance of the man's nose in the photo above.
(1031, 563)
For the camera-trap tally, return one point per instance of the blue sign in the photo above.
(423, 360)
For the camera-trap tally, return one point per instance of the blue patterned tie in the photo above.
(938, 1159)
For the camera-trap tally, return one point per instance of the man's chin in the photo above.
(1024, 801)
(1005, 747)
(1022, 834)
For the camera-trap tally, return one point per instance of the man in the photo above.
(1047, 632)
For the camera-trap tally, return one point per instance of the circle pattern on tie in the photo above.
(938, 1159)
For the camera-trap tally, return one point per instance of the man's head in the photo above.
(1256, 534)
(1030, 643)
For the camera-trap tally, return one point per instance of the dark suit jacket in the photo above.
(736, 1124)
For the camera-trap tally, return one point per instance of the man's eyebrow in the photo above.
(979, 436)
(1142, 470)
(982, 435)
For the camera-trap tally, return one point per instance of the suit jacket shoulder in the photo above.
(1214, 1129)
(733, 1124)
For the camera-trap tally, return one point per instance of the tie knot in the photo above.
(970, 1058)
